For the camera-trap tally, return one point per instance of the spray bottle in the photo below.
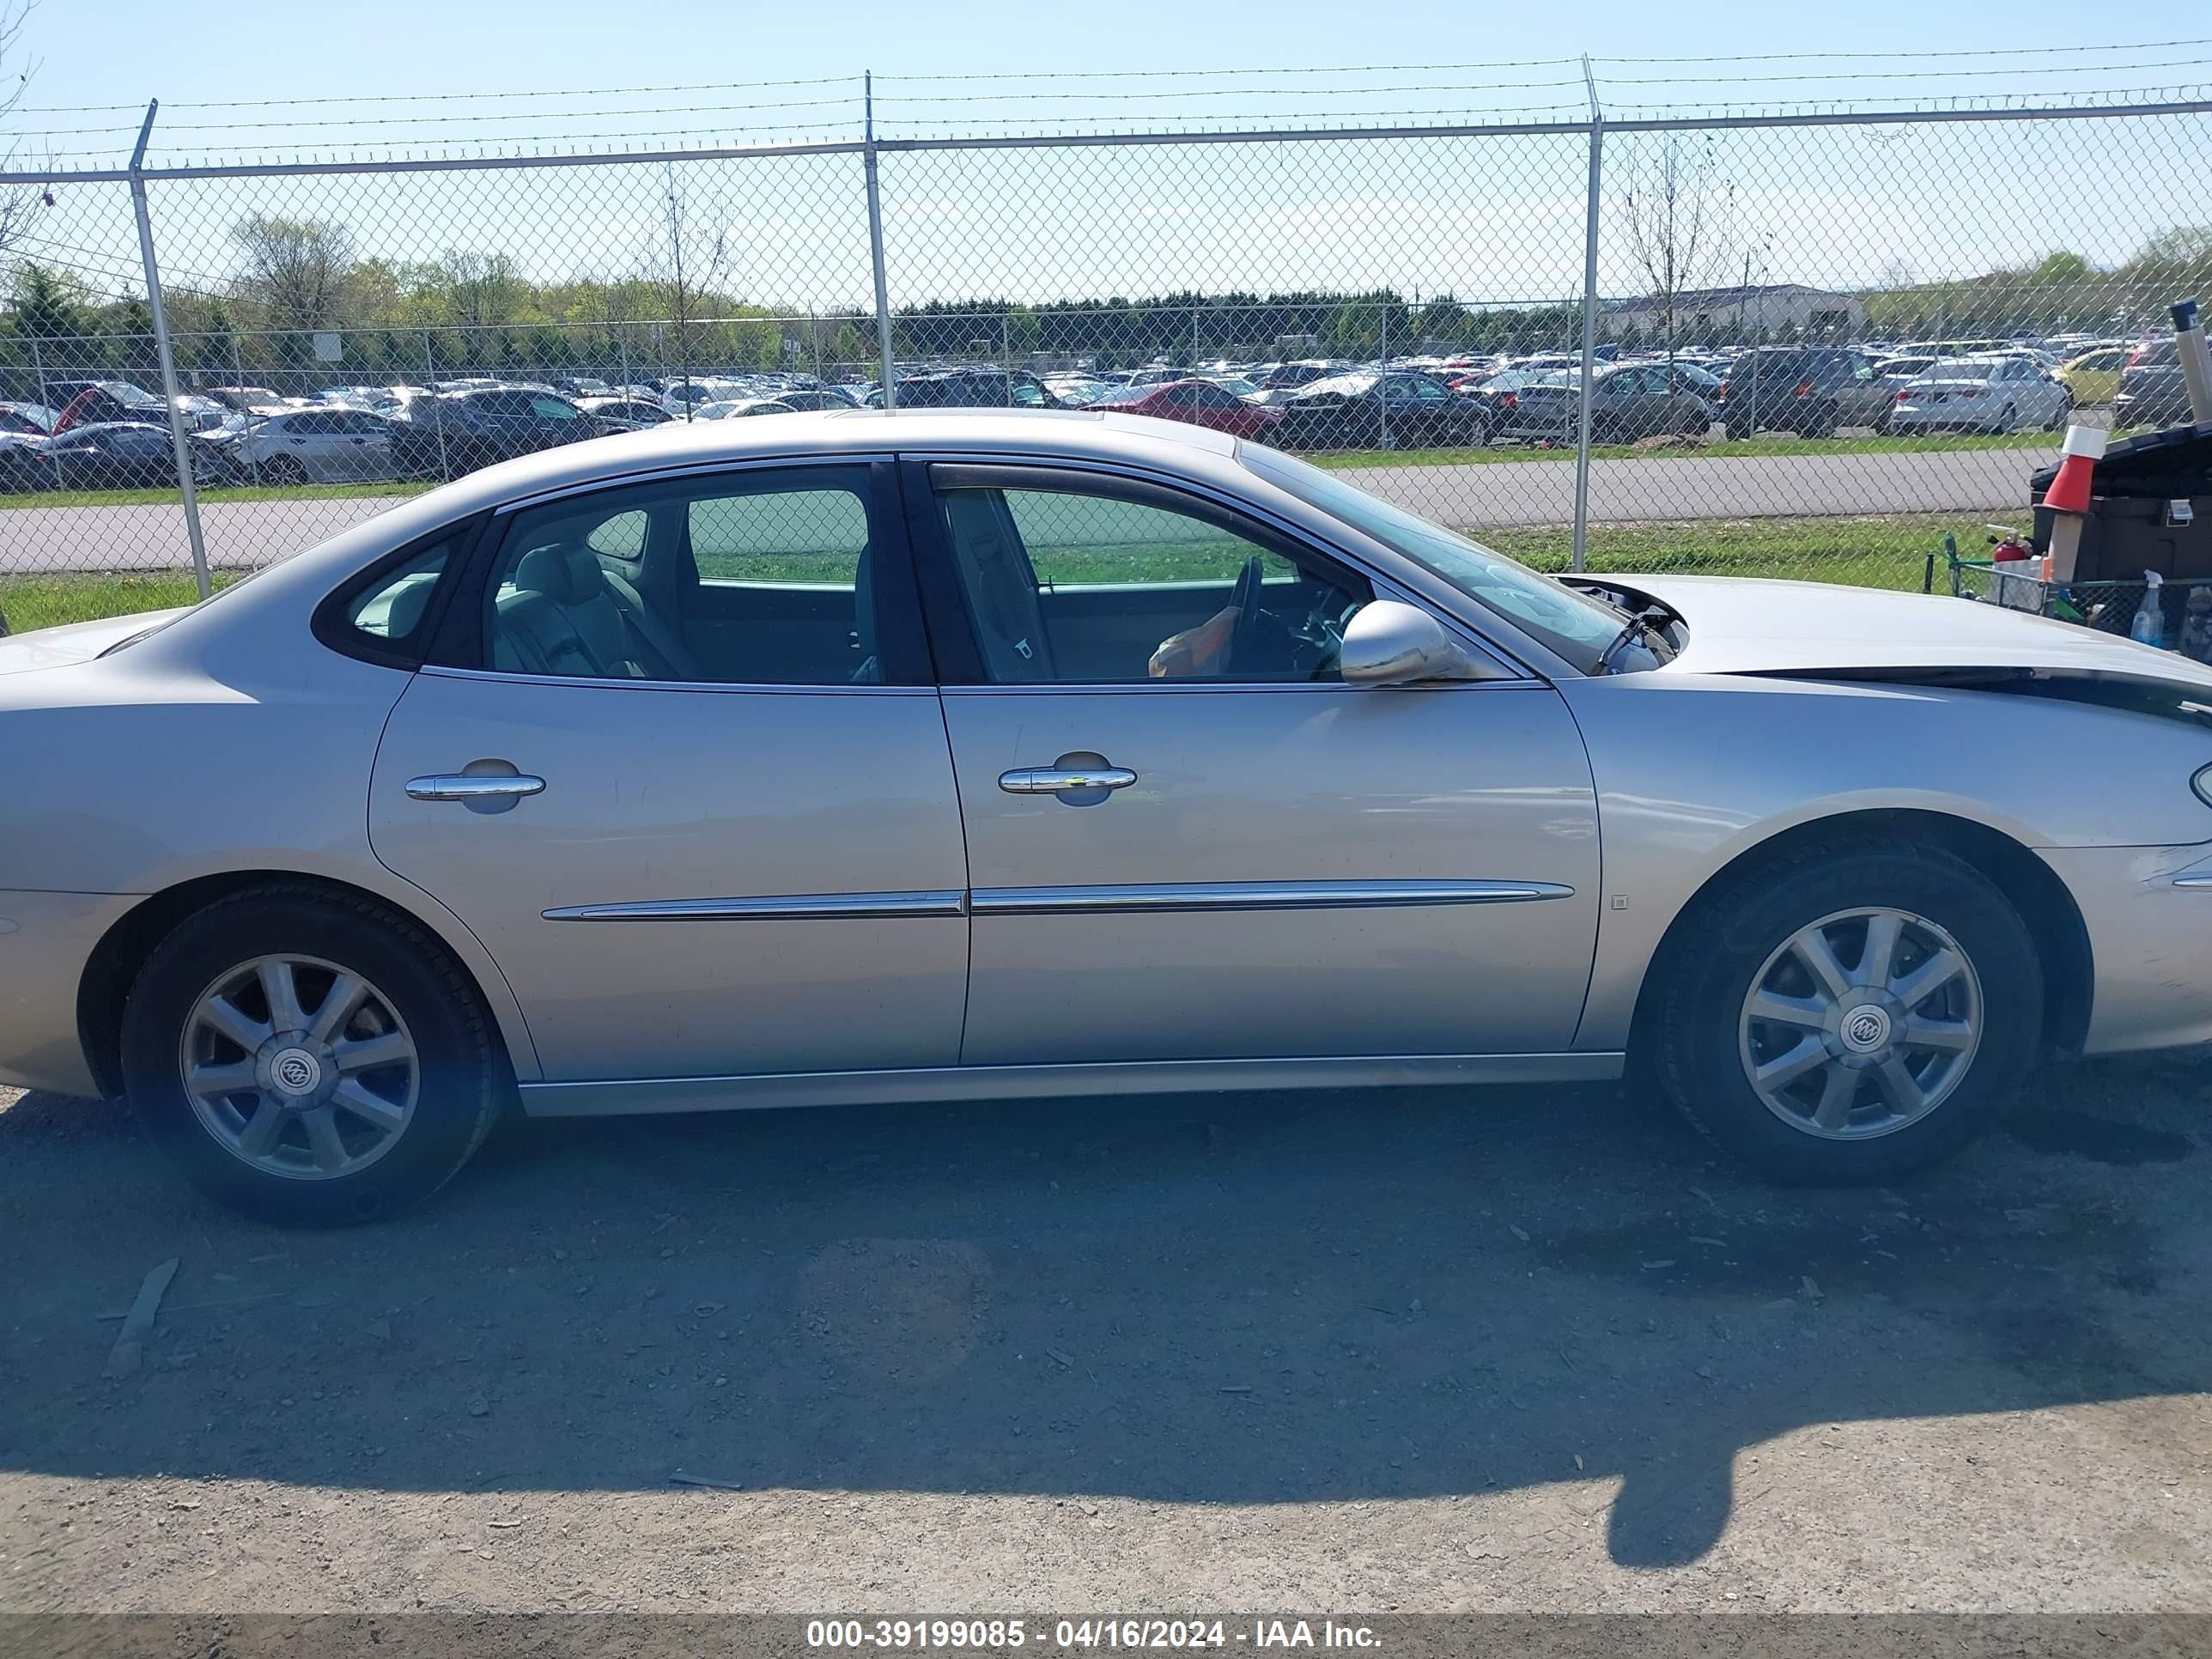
(2149, 625)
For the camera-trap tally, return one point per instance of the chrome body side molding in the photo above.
(1073, 900)
(631, 1097)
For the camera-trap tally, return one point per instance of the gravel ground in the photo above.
(1527, 1350)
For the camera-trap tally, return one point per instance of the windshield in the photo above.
(1574, 625)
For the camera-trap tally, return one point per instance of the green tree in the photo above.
(46, 305)
(299, 270)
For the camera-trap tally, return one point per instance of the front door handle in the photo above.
(1055, 780)
(461, 786)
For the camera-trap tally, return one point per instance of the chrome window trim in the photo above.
(791, 687)
(784, 907)
(692, 469)
(1150, 898)
(1173, 688)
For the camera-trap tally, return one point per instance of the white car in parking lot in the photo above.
(332, 445)
(1982, 394)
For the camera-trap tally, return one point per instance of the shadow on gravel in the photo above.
(1243, 1299)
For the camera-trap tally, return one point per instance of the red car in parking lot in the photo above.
(1200, 402)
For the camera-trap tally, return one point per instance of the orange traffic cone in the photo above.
(2068, 498)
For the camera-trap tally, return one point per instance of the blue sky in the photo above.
(1493, 219)
(105, 51)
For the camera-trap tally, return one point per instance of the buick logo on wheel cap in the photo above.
(296, 1072)
(1865, 1029)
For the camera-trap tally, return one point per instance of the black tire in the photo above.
(465, 1073)
(1709, 972)
(2007, 420)
(285, 471)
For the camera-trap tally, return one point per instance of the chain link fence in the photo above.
(1797, 345)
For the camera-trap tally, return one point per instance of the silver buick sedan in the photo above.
(929, 756)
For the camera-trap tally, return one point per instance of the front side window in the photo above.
(1574, 625)
(763, 577)
(1078, 584)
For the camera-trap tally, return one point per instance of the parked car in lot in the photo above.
(242, 397)
(1200, 402)
(300, 445)
(974, 388)
(1628, 401)
(1365, 411)
(21, 470)
(32, 420)
(456, 432)
(1981, 394)
(736, 408)
(1812, 391)
(610, 414)
(115, 455)
(1290, 377)
(90, 402)
(2094, 377)
(2151, 390)
(560, 832)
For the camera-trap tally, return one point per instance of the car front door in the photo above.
(362, 443)
(696, 849)
(1187, 838)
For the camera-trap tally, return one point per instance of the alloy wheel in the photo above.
(1861, 1023)
(300, 1067)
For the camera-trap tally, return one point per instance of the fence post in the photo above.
(188, 490)
(622, 350)
(430, 385)
(238, 376)
(1580, 557)
(876, 237)
(39, 368)
(1383, 374)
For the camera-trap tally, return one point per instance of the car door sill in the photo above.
(638, 1096)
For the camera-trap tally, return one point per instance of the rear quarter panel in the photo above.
(203, 753)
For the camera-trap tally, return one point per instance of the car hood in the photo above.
(1741, 625)
(76, 643)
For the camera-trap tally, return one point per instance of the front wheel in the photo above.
(308, 1059)
(1842, 1014)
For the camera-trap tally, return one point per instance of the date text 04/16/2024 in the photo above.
(1005, 1634)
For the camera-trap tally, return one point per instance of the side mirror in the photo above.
(1390, 643)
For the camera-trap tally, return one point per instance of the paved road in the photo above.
(1533, 1349)
(1502, 494)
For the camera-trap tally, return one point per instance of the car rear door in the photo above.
(691, 858)
(1177, 855)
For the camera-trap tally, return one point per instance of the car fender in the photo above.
(1693, 771)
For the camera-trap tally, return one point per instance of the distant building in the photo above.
(1739, 313)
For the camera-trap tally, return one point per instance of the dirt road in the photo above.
(1527, 1350)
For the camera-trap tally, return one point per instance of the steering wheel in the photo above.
(1245, 597)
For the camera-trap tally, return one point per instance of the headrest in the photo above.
(566, 576)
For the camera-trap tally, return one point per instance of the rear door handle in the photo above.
(1053, 779)
(458, 787)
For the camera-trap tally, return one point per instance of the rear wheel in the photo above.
(285, 470)
(310, 1059)
(1843, 1013)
